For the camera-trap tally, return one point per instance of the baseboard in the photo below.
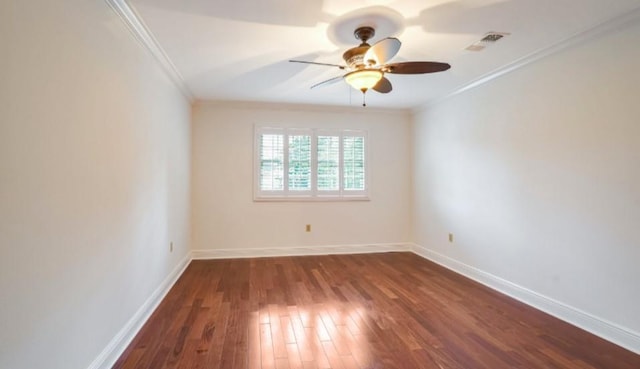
(123, 338)
(299, 251)
(600, 327)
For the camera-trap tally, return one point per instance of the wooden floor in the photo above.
(393, 310)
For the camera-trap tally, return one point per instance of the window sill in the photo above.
(310, 199)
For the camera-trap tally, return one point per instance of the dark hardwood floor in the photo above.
(393, 310)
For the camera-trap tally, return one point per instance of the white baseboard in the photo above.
(123, 338)
(299, 251)
(600, 327)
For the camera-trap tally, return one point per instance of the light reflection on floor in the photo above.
(315, 336)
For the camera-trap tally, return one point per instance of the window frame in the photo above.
(314, 194)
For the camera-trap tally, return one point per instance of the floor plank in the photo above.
(392, 310)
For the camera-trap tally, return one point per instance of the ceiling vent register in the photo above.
(488, 39)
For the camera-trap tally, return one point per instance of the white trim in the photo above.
(591, 33)
(310, 198)
(107, 358)
(314, 194)
(141, 32)
(297, 107)
(299, 251)
(123, 338)
(600, 327)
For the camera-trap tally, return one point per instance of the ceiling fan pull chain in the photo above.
(364, 103)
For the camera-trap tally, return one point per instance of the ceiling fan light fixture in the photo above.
(363, 79)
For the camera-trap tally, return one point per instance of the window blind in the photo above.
(310, 164)
(299, 163)
(328, 163)
(271, 162)
(353, 167)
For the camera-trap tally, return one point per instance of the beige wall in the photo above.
(537, 174)
(225, 215)
(94, 167)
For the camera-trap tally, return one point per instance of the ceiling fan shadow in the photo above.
(275, 12)
(270, 77)
(462, 18)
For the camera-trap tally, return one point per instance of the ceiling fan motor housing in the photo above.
(354, 57)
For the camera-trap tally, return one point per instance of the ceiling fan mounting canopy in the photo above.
(364, 33)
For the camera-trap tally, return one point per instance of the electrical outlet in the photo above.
(171, 247)
(308, 228)
(451, 237)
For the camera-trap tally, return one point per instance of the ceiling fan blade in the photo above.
(383, 86)
(415, 67)
(328, 82)
(382, 51)
(315, 63)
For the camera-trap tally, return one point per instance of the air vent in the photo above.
(488, 39)
(492, 37)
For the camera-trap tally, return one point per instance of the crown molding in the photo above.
(140, 31)
(283, 106)
(600, 29)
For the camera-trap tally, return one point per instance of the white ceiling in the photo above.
(239, 49)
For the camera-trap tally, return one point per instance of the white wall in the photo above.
(225, 215)
(94, 167)
(537, 175)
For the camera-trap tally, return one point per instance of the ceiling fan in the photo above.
(367, 64)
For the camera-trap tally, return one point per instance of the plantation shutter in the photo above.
(271, 162)
(328, 163)
(354, 177)
(299, 162)
(310, 164)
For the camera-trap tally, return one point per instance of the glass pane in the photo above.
(328, 163)
(299, 163)
(353, 156)
(271, 162)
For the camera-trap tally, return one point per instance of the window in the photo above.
(310, 164)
